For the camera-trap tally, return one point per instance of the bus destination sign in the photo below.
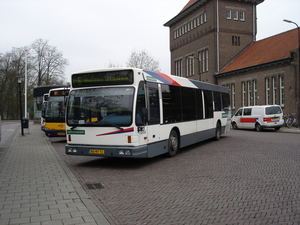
(59, 92)
(120, 77)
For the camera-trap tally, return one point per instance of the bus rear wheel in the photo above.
(173, 145)
(218, 132)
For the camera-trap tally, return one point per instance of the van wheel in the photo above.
(218, 132)
(234, 126)
(258, 127)
(173, 144)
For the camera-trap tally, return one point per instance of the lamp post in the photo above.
(25, 116)
(298, 99)
(199, 73)
(20, 97)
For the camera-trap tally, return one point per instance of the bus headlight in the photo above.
(124, 152)
(72, 150)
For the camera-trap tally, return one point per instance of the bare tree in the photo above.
(47, 63)
(112, 65)
(45, 66)
(143, 60)
(11, 68)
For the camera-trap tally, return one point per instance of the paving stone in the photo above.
(34, 187)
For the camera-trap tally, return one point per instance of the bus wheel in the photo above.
(218, 132)
(258, 127)
(173, 145)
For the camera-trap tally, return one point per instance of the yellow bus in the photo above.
(54, 113)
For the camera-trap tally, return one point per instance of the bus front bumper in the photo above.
(55, 133)
(108, 151)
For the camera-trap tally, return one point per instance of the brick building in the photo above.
(215, 41)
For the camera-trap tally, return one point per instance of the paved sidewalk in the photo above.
(36, 186)
(290, 130)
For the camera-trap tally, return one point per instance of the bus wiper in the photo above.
(115, 125)
(73, 127)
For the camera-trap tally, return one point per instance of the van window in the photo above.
(239, 113)
(273, 110)
(247, 111)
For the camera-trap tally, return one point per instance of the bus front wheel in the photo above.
(173, 144)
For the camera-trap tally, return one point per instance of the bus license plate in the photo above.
(61, 133)
(97, 151)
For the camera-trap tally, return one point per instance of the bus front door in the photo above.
(153, 129)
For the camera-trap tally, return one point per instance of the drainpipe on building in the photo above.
(218, 44)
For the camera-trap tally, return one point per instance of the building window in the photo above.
(235, 14)
(243, 93)
(255, 94)
(178, 67)
(203, 60)
(232, 96)
(274, 91)
(206, 63)
(236, 40)
(190, 65)
(190, 25)
(268, 91)
(281, 90)
(228, 14)
(249, 93)
(242, 15)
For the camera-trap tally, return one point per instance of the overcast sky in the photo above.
(94, 33)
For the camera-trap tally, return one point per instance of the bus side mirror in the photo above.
(145, 115)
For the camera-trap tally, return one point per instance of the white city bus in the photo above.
(138, 113)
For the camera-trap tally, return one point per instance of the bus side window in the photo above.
(188, 98)
(153, 98)
(217, 101)
(172, 108)
(140, 105)
(225, 102)
(199, 104)
(208, 102)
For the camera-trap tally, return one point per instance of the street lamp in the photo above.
(199, 73)
(298, 100)
(25, 116)
(20, 97)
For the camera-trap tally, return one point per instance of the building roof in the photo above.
(270, 50)
(192, 5)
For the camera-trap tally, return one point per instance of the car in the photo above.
(258, 117)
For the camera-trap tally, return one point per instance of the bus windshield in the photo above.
(55, 109)
(108, 107)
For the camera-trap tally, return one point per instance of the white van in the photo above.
(258, 117)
